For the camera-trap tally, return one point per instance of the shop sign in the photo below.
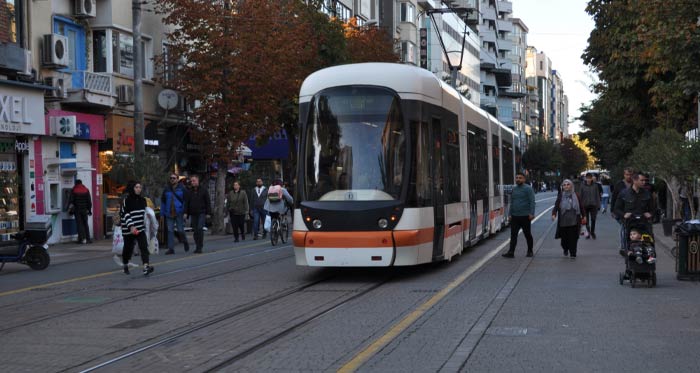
(22, 146)
(83, 131)
(21, 111)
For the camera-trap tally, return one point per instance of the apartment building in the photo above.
(496, 66)
(539, 76)
(66, 82)
(518, 92)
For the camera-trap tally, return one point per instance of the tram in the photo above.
(395, 168)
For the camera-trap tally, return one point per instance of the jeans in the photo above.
(604, 203)
(591, 214)
(198, 221)
(516, 223)
(259, 214)
(129, 243)
(81, 219)
(170, 223)
(623, 233)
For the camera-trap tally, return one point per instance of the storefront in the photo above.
(70, 154)
(21, 125)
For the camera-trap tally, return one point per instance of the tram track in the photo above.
(233, 314)
(143, 292)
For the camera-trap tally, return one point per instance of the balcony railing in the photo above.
(99, 83)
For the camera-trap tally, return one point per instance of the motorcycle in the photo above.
(27, 247)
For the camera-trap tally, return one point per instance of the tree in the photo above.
(670, 157)
(542, 156)
(368, 43)
(645, 53)
(574, 159)
(582, 143)
(243, 60)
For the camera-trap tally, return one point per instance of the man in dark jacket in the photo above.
(198, 206)
(81, 206)
(172, 207)
(635, 200)
(258, 196)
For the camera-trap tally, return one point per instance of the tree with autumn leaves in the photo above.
(244, 62)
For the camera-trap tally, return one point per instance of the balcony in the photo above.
(504, 25)
(96, 90)
(505, 6)
(488, 35)
(488, 13)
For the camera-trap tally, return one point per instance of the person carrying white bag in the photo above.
(151, 224)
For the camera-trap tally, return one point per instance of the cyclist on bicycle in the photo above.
(278, 200)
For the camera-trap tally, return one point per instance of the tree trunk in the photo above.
(673, 185)
(218, 226)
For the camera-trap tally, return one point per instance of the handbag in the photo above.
(117, 241)
(153, 246)
(583, 220)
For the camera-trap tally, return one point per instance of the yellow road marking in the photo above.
(402, 325)
(98, 275)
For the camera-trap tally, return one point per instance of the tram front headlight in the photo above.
(383, 223)
(317, 224)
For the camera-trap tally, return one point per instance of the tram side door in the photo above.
(438, 172)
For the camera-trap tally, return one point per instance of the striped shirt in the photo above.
(133, 214)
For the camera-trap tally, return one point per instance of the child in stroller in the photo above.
(640, 254)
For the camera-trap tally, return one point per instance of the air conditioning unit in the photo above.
(64, 126)
(85, 9)
(59, 90)
(55, 51)
(27, 63)
(125, 94)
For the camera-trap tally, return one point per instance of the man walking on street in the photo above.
(522, 211)
(198, 206)
(590, 197)
(632, 201)
(621, 185)
(257, 205)
(172, 207)
(81, 206)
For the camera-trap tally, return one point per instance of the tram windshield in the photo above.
(355, 145)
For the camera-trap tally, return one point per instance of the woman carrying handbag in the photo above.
(571, 212)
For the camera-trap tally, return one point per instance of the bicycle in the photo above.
(279, 228)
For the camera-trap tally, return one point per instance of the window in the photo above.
(10, 21)
(453, 182)
(113, 52)
(495, 150)
(408, 12)
(408, 51)
(170, 66)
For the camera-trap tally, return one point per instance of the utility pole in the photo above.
(139, 132)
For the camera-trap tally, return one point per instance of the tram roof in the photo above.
(401, 78)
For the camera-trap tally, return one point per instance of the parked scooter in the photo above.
(29, 246)
(24, 249)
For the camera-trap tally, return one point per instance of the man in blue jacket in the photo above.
(172, 207)
(522, 211)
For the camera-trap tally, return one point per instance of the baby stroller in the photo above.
(640, 255)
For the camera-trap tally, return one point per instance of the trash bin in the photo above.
(688, 258)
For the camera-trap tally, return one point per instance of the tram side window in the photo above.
(496, 166)
(453, 185)
(507, 154)
(420, 192)
(477, 149)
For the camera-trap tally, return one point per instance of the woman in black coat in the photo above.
(133, 215)
(570, 211)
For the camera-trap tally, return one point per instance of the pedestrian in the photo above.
(570, 210)
(633, 201)
(172, 207)
(621, 185)
(132, 218)
(278, 199)
(605, 197)
(237, 205)
(590, 196)
(522, 211)
(258, 196)
(80, 205)
(198, 207)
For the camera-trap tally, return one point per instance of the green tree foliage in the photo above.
(574, 159)
(542, 156)
(670, 157)
(645, 53)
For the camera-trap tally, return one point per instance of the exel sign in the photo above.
(21, 111)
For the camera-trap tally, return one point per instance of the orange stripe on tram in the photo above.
(346, 239)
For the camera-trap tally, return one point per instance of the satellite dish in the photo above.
(167, 99)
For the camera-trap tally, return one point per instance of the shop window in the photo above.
(9, 190)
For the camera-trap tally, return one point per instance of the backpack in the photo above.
(274, 194)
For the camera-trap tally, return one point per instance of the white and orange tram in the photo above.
(395, 168)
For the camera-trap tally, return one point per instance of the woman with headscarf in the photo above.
(133, 216)
(570, 210)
